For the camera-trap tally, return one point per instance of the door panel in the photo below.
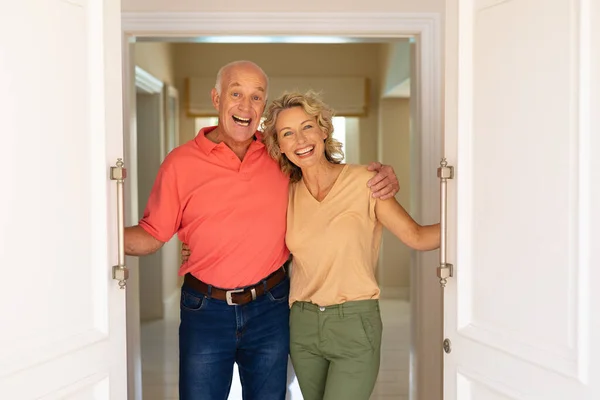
(63, 320)
(524, 143)
(518, 311)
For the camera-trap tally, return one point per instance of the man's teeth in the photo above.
(241, 121)
(305, 151)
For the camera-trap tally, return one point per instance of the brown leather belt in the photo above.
(236, 296)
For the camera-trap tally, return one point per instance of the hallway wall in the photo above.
(158, 272)
(157, 59)
(336, 60)
(394, 149)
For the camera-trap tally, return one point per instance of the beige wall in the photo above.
(148, 145)
(356, 59)
(279, 6)
(394, 145)
(157, 59)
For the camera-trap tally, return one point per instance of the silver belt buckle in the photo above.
(228, 296)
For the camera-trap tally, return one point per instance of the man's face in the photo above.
(241, 102)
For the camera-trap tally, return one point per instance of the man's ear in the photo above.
(215, 98)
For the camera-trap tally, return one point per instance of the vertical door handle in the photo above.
(445, 270)
(120, 271)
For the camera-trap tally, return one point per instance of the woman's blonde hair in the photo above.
(312, 104)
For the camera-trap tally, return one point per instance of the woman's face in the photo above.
(300, 137)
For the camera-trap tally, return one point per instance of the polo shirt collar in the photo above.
(207, 146)
(203, 143)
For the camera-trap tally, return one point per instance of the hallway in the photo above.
(160, 359)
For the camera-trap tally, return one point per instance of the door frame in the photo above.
(426, 28)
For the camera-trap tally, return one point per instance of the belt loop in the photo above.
(301, 306)
(265, 285)
(209, 291)
(341, 310)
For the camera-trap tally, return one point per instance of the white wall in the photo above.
(396, 58)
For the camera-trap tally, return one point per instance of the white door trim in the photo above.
(427, 29)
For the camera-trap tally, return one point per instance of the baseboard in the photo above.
(395, 292)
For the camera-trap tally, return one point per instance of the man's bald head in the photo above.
(226, 69)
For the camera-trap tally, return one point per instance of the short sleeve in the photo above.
(372, 203)
(162, 215)
(365, 176)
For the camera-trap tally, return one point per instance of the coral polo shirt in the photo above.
(231, 213)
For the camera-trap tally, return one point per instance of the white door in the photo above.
(62, 317)
(522, 131)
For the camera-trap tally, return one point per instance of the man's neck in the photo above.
(239, 148)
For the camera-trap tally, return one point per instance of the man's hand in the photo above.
(185, 253)
(385, 184)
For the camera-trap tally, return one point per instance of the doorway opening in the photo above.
(422, 108)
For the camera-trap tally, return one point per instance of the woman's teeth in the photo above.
(307, 150)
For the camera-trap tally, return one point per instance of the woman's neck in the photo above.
(319, 179)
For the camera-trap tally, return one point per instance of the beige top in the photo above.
(335, 242)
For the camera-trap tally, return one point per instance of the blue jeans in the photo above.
(214, 335)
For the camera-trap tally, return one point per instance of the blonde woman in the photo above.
(334, 230)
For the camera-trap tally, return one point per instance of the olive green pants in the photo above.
(335, 350)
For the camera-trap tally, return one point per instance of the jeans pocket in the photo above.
(280, 292)
(191, 302)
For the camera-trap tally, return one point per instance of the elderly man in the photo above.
(225, 197)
